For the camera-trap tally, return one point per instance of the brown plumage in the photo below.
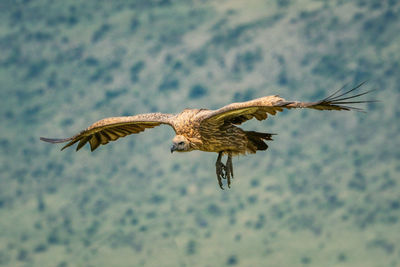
(208, 130)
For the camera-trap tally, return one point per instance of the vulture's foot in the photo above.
(224, 171)
(221, 170)
(229, 169)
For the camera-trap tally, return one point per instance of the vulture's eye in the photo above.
(181, 143)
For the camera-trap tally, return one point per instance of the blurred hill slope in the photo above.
(324, 194)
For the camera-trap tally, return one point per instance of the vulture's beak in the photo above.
(173, 148)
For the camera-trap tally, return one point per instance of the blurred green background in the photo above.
(326, 193)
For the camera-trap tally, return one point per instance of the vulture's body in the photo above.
(208, 130)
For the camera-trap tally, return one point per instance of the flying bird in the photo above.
(210, 130)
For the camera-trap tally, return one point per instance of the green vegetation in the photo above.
(326, 193)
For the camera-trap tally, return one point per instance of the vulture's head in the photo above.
(180, 144)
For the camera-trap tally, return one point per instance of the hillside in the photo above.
(325, 193)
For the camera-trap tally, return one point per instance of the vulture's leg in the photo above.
(229, 169)
(220, 169)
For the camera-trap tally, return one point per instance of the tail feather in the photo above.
(257, 139)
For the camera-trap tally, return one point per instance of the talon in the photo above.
(228, 175)
(219, 176)
(229, 169)
(221, 170)
(224, 171)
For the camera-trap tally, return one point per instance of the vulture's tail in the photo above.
(256, 140)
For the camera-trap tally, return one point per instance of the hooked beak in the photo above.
(173, 148)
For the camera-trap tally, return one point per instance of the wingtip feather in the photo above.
(344, 101)
(55, 140)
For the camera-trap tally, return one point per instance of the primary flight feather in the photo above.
(209, 130)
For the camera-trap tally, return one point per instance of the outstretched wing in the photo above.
(237, 113)
(110, 129)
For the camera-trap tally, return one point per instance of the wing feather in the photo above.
(81, 143)
(103, 138)
(94, 141)
(111, 135)
(110, 129)
(123, 132)
(237, 113)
